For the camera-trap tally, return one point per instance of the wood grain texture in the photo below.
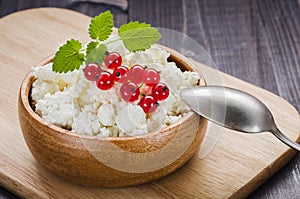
(238, 164)
(257, 41)
(261, 47)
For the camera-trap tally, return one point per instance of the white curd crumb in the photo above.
(86, 122)
(131, 120)
(105, 132)
(170, 119)
(192, 78)
(106, 115)
(156, 120)
(57, 108)
(42, 88)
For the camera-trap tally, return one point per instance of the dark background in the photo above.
(255, 40)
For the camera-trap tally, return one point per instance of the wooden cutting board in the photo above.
(235, 167)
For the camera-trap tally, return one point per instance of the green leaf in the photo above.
(139, 38)
(96, 53)
(68, 57)
(91, 46)
(132, 25)
(101, 26)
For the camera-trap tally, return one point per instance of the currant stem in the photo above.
(141, 85)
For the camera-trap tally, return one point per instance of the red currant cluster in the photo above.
(137, 81)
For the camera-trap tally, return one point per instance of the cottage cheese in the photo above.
(70, 101)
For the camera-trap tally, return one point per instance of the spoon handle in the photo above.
(285, 139)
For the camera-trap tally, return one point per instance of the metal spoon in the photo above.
(233, 109)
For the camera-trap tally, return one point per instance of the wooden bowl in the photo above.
(111, 161)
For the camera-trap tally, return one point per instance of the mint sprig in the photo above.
(135, 36)
(91, 46)
(68, 57)
(132, 25)
(101, 26)
(97, 54)
(139, 38)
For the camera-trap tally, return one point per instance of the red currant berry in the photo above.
(151, 77)
(129, 92)
(160, 91)
(148, 104)
(105, 81)
(92, 72)
(113, 60)
(136, 74)
(146, 90)
(121, 74)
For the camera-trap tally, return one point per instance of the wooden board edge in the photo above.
(16, 187)
(265, 174)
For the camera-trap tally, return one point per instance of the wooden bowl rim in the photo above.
(29, 79)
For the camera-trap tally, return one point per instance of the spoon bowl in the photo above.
(233, 109)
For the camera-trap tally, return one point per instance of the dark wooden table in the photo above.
(257, 41)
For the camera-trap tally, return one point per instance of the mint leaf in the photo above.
(68, 57)
(132, 25)
(101, 26)
(139, 38)
(96, 53)
(91, 46)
